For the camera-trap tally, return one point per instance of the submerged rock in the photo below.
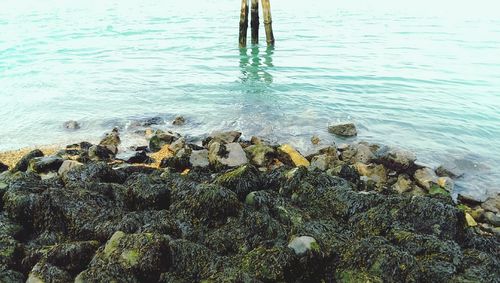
(179, 121)
(315, 140)
(344, 130)
(71, 125)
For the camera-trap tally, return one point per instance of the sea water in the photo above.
(421, 75)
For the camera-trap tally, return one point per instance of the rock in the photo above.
(241, 180)
(403, 184)
(111, 141)
(68, 165)
(231, 154)
(255, 140)
(377, 173)
(492, 204)
(330, 151)
(425, 177)
(3, 167)
(22, 165)
(222, 137)
(177, 145)
(179, 121)
(161, 138)
(145, 193)
(199, 158)
(363, 154)
(492, 218)
(71, 125)
(260, 154)
(446, 183)
(179, 162)
(467, 199)
(344, 130)
(101, 153)
(147, 122)
(294, 155)
(140, 156)
(323, 162)
(303, 244)
(396, 159)
(45, 164)
(443, 171)
(470, 220)
(315, 140)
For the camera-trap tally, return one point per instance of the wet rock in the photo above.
(292, 154)
(323, 162)
(101, 153)
(92, 172)
(45, 164)
(179, 121)
(377, 173)
(177, 145)
(268, 265)
(179, 162)
(446, 183)
(135, 157)
(71, 125)
(425, 177)
(256, 140)
(111, 141)
(315, 140)
(3, 167)
(396, 159)
(492, 204)
(260, 155)
(330, 151)
(363, 154)
(22, 165)
(470, 220)
(492, 218)
(161, 138)
(147, 122)
(467, 199)
(199, 158)
(68, 165)
(230, 155)
(303, 244)
(222, 137)
(403, 184)
(46, 272)
(451, 172)
(344, 130)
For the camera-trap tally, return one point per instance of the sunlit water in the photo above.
(415, 75)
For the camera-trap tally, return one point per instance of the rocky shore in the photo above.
(233, 210)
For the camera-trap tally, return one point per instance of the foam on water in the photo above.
(419, 74)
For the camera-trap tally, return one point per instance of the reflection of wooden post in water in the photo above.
(266, 8)
(243, 23)
(255, 21)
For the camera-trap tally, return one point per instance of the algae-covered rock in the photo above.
(403, 184)
(161, 138)
(492, 204)
(269, 265)
(241, 180)
(260, 154)
(10, 276)
(139, 257)
(67, 165)
(146, 193)
(3, 167)
(222, 137)
(22, 165)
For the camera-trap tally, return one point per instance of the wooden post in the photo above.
(255, 21)
(266, 7)
(243, 23)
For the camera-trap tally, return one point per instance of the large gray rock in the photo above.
(177, 145)
(395, 158)
(199, 158)
(303, 244)
(231, 154)
(344, 130)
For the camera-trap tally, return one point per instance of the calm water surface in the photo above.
(415, 75)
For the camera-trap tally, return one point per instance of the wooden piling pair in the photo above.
(266, 7)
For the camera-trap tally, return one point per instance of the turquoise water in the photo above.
(424, 76)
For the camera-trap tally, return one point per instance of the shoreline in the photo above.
(228, 209)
